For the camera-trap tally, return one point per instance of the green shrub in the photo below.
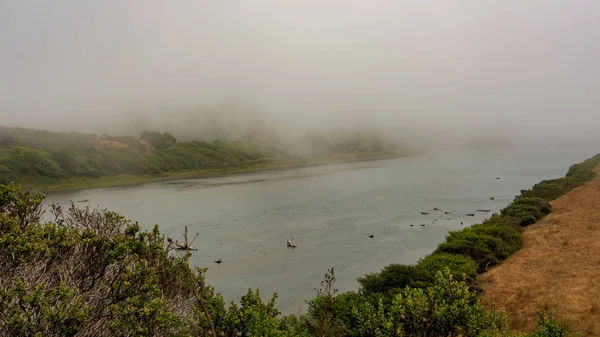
(7, 175)
(74, 164)
(343, 311)
(527, 214)
(158, 140)
(459, 265)
(546, 190)
(508, 234)
(541, 204)
(393, 277)
(447, 308)
(548, 326)
(527, 209)
(26, 161)
(484, 249)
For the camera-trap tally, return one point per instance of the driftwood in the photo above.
(186, 245)
(470, 214)
(183, 246)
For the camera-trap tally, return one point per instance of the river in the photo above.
(330, 211)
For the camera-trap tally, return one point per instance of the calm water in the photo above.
(330, 211)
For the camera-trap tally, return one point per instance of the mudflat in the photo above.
(558, 267)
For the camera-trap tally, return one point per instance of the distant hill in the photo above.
(27, 154)
(30, 154)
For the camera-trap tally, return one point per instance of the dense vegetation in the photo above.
(95, 273)
(29, 155)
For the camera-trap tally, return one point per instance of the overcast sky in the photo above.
(527, 66)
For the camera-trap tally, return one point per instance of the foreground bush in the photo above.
(446, 308)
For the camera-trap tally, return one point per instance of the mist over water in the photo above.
(427, 71)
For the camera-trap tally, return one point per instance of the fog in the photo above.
(422, 69)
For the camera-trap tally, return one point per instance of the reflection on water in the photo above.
(330, 211)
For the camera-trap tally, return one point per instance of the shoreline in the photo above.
(49, 186)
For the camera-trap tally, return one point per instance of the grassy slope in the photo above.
(557, 268)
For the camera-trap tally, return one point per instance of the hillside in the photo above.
(32, 156)
(557, 268)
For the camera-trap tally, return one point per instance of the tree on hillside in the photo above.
(159, 140)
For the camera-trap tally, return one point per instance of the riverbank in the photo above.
(557, 268)
(47, 185)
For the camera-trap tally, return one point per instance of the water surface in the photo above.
(330, 211)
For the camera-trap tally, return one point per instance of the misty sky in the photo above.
(518, 65)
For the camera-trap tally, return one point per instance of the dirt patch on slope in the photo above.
(147, 146)
(558, 267)
(107, 145)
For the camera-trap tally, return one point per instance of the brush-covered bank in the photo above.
(54, 161)
(50, 185)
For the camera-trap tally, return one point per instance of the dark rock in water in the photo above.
(492, 198)
(422, 225)
(424, 213)
(447, 212)
(470, 214)
(371, 236)
(483, 210)
(436, 209)
(498, 178)
(219, 261)
(411, 225)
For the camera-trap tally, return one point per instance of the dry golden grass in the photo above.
(558, 267)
